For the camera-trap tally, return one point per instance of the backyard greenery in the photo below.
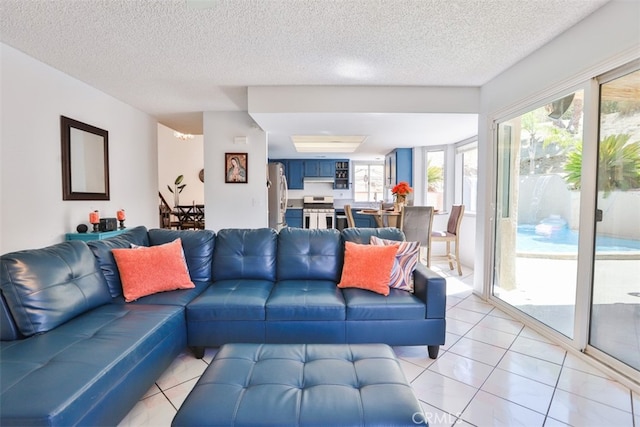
(618, 165)
(435, 176)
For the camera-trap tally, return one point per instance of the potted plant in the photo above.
(178, 186)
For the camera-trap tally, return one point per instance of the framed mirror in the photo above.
(85, 161)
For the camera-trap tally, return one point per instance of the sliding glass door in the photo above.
(615, 310)
(567, 243)
(537, 212)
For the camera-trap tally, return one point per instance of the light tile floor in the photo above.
(492, 371)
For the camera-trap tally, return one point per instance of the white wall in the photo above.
(608, 38)
(34, 96)
(234, 205)
(177, 157)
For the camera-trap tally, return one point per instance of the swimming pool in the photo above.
(566, 242)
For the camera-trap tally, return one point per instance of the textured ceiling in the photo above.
(176, 58)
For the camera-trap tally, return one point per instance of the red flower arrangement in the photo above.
(402, 189)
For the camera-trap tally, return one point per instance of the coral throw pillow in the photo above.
(404, 264)
(148, 270)
(367, 267)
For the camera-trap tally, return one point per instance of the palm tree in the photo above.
(618, 164)
(434, 176)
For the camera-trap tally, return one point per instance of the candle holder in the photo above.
(121, 217)
(94, 219)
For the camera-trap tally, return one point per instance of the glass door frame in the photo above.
(579, 345)
(587, 210)
(596, 82)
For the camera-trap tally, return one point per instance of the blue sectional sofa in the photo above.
(72, 352)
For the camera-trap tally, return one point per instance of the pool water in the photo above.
(566, 241)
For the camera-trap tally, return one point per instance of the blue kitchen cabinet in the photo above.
(293, 217)
(327, 168)
(293, 170)
(364, 221)
(315, 168)
(312, 168)
(295, 174)
(399, 166)
(297, 169)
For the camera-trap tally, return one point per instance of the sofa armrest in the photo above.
(431, 288)
(8, 329)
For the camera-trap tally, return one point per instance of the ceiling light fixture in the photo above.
(354, 69)
(327, 143)
(182, 136)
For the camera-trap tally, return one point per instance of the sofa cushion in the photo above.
(149, 270)
(47, 287)
(198, 248)
(398, 305)
(102, 251)
(305, 254)
(235, 299)
(363, 235)
(91, 370)
(367, 267)
(404, 264)
(180, 297)
(305, 300)
(245, 254)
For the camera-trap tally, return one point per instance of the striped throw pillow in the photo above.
(404, 264)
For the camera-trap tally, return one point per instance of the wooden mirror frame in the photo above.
(68, 192)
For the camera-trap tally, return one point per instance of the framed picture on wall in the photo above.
(236, 168)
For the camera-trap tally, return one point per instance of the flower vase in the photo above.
(401, 199)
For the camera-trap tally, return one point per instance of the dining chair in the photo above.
(349, 214)
(186, 217)
(166, 213)
(199, 216)
(451, 234)
(416, 222)
(388, 219)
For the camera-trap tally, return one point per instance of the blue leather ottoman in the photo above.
(302, 385)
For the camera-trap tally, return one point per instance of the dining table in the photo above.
(383, 217)
(189, 216)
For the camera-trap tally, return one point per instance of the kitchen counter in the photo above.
(294, 204)
(339, 204)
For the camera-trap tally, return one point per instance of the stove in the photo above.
(318, 212)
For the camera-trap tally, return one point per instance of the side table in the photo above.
(89, 235)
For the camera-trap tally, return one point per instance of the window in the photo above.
(368, 182)
(467, 175)
(435, 178)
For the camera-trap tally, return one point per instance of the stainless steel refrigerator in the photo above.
(278, 196)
